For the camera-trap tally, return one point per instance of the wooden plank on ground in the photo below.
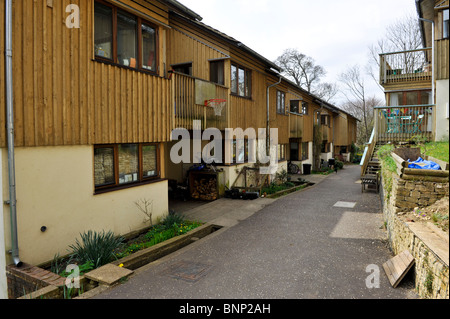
(396, 268)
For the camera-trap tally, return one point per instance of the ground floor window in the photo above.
(281, 149)
(325, 147)
(122, 164)
(305, 151)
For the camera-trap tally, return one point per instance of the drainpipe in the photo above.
(268, 116)
(432, 57)
(10, 132)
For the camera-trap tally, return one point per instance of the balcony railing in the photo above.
(190, 95)
(406, 66)
(403, 123)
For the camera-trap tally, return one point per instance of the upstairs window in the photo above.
(305, 108)
(294, 106)
(325, 120)
(281, 97)
(216, 69)
(445, 24)
(124, 39)
(240, 81)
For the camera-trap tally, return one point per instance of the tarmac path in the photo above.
(325, 242)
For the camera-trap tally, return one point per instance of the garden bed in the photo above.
(275, 191)
(135, 255)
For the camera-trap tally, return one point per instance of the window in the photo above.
(305, 108)
(185, 68)
(216, 69)
(122, 164)
(410, 98)
(325, 147)
(325, 120)
(281, 96)
(148, 50)
(240, 81)
(281, 148)
(240, 151)
(305, 151)
(103, 31)
(124, 39)
(294, 106)
(445, 24)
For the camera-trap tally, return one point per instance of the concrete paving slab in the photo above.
(345, 204)
(108, 274)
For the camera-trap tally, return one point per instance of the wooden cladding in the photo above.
(442, 59)
(63, 97)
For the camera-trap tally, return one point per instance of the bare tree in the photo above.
(358, 109)
(355, 93)
(300, 68)
(326, 91)
(402, 35)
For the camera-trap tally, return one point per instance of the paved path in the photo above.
(316, 243)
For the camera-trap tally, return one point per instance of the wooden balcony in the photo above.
(403, 123)
(190, 95)
(406, 67)
(295, 125)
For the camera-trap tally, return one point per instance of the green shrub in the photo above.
(339, 164)
(172, 218)
(97, 248)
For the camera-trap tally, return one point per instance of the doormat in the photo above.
(187, 271)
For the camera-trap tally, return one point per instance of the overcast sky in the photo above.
(335, 33)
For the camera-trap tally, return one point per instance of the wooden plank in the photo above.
(396, 268)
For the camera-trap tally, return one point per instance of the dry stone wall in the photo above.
(431, 268)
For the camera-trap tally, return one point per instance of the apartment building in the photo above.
(98, 88)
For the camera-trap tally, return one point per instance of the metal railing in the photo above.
(406, 66)
(404, 123)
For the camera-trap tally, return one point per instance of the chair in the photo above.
(392, 124)
(417, 124)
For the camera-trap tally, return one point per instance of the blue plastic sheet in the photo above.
(420, 163)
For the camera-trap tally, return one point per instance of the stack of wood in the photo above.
(205, 189)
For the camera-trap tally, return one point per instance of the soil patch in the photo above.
(436, 214)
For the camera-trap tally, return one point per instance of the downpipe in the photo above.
(268, 115)
(10, 133)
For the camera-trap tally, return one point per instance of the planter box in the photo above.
(145, 256)
(401, 155)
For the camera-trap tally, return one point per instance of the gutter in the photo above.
(268, 115)
(10, 132)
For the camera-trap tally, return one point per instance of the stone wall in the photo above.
(431, 267)
(411, 194)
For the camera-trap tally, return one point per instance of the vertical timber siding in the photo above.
(63, 97)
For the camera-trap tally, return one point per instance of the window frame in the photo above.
(139, 43)
(445, 23)
(404, 94)
(247, 81)
(281, 102)
(305, 107)
(214, 75)
(141, 179)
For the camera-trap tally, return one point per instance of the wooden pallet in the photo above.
(397, 267)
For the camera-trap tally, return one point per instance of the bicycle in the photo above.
(293, 168)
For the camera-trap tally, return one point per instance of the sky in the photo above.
(335, 33)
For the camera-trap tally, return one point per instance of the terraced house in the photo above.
(95, 90)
